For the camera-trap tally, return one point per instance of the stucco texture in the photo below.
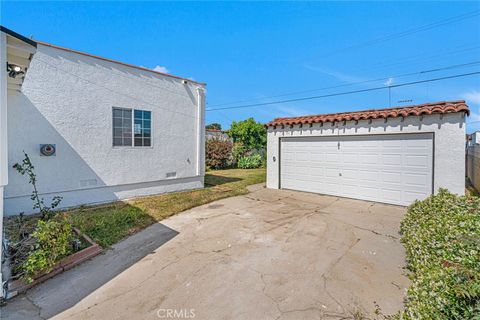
(67, 100)
(449, 143)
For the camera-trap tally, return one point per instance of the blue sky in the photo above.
(248, 50)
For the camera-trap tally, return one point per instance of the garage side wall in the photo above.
(449, 143)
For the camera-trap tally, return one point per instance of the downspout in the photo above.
(200, 131)
(3, 140)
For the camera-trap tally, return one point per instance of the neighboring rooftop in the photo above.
(35, 42)
(414, 110)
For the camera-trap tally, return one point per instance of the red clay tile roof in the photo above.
(416, 110)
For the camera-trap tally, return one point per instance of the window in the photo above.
(142, 128)
(123, 135)
(122, 127)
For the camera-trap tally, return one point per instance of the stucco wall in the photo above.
(473, 165)
(67, 100)
(449, 143)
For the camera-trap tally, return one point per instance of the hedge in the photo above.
(441, 235)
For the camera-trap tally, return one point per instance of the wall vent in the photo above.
(171, 174)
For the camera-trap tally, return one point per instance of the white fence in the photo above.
(473, 165)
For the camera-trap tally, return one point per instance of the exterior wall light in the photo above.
(14, 70)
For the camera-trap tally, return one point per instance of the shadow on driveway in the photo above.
(67, 289)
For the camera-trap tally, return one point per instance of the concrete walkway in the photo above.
(272, 254)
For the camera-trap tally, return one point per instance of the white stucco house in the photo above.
(109, 130)
(394, 155)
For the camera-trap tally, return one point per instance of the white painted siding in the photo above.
(67, 100)
(449, 143)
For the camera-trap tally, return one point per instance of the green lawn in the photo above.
(110, 223)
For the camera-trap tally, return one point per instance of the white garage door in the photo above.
(393, 169)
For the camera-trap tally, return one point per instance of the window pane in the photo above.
(127, 114)
(146, 133)
(138, 114)
(147, 115)
(117, 122)
(117, 142)
(138, 126)
(122, 127)
(146, 142)
(117, 133)
(138, 142)
(146, 124)
(117, 113)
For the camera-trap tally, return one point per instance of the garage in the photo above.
(394, 155)
(385, 168)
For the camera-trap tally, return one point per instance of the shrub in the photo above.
(442, 238)
(250, 162)
(218, 153)
(53, 239)
(238, 151)
(250, 133)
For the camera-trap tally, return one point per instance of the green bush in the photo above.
(250, 133)
(442, 238)
(250, 162)
(52, 242)
(218, 154)
(238, 151)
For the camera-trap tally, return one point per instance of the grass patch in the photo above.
(441, 235)
(110, 223)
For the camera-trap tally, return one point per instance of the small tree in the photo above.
(214, 126)
(250, 133)
(27, 168)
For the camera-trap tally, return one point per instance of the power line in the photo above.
(408, 32)
(349, 92)
(417, 59)
(352, 84)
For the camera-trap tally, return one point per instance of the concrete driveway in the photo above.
(272, 254)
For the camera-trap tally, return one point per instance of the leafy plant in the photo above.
(238, 151)
(441, 235)
(250, 162)
(53, 239)
(27, 168)
(250, 133)
(218, 153)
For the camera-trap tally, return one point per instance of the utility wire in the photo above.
(349, 92)
(416, 59)
(408, 32)
(352, 84)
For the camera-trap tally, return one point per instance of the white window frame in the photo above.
(133, 128)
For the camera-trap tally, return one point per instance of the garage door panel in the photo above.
(416, 179)
(385, 168)
(392, 159)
